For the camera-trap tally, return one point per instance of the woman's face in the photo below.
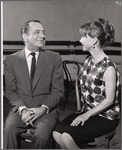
(87, 42)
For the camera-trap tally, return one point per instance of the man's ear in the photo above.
(24, 36)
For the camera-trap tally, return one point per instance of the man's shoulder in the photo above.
(16, 53)
(50, 52)
(14, 56)
(52, 56)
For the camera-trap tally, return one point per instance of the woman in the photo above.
(99, 79)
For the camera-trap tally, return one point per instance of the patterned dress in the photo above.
(93, 93)
(93, 86)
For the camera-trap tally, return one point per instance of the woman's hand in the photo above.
(80, 119)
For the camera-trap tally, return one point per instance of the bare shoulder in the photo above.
(110, 72)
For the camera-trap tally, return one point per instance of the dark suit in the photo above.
(47, 90)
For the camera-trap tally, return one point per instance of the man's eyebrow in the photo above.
(40, 30)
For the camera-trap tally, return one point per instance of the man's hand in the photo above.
(38, 112)
(27, 116)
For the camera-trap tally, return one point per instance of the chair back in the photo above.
(66, 70)
(68, 82)
(79, 100)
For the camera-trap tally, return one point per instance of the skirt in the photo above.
(94, 127)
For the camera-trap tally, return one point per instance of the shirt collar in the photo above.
(27, 52)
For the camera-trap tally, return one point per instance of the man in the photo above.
(33, 87)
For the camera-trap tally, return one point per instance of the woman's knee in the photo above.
(61, 137)
(55, 134)
(66, 138)
(58, 138)
(69, 141)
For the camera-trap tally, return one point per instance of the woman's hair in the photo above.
(100, 28)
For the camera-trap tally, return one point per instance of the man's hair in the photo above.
(25, 27)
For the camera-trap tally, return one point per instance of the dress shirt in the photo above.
(29, 59)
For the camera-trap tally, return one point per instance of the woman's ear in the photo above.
(95, 40)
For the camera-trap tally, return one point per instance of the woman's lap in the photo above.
(92, 128)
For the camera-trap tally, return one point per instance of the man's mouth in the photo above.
(40, 40)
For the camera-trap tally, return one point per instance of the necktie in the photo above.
(33, 68)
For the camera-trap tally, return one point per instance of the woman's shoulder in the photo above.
(110, 63)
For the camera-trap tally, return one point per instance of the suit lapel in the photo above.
(40, 67)
(24, 69)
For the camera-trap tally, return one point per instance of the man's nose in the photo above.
(80, 40)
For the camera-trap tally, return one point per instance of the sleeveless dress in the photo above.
(93, 93)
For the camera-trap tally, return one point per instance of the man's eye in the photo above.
(43, 32)
(37, 32)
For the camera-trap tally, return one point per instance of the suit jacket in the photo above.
(48, 81)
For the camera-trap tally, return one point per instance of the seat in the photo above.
(80, 106)
(69, 82)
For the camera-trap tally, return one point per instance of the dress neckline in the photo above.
(100, 62)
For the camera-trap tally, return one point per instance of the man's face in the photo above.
(35, 38)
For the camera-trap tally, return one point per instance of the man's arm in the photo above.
(57, 85)
(10, 86)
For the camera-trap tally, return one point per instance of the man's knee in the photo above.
(41, 135)
(10, 130)
(41, 142)
(43, 131)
